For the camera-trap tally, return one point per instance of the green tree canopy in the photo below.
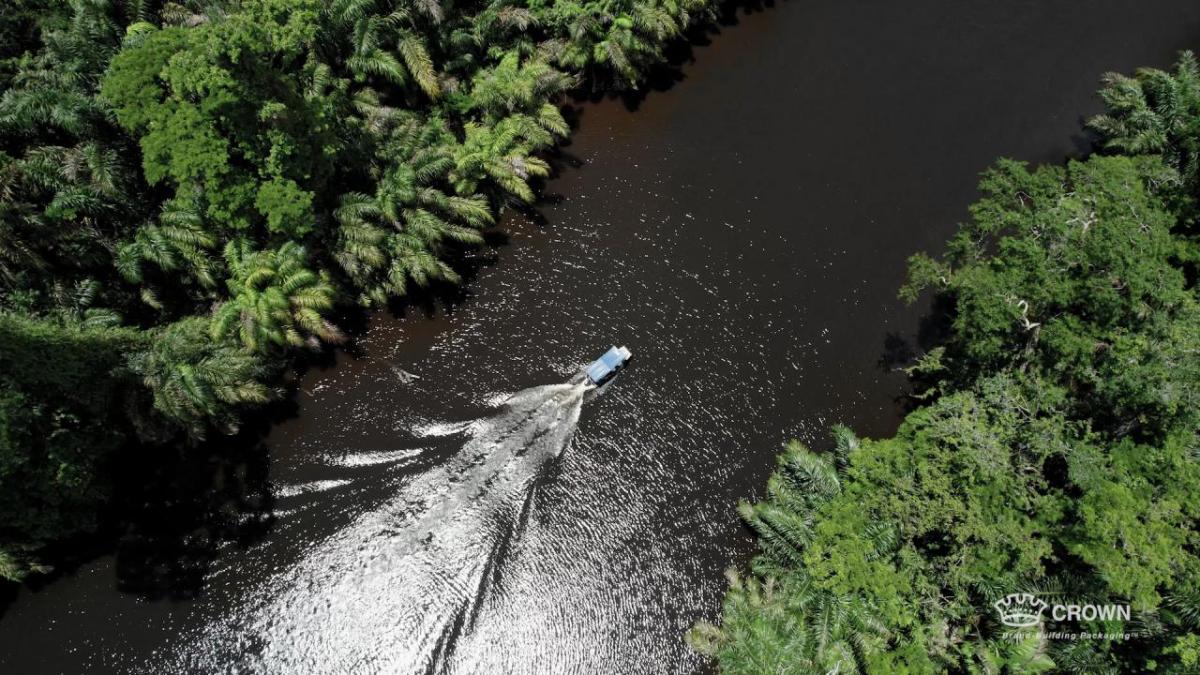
(1056, 452)
(215, 177)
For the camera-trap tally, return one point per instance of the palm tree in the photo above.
(512, 87)
(385, 40)
(189, 12)
(787, 625)
(1155, 112)
(180, 241)
(471, 42)
(69, 192)
(617, 42)
(1028, 654)
(1185, 606)
(502, 155)
(777, 620)
(381, 246)
(198, 381)
(377, 118)
(395, 236)
(275, 299)
(20, 221)
(360, 247)
(618, 49)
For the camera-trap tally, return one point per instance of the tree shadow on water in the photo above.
(933, 329)
(676, 54)
(898, 352)
(901, 351)
(176, 509)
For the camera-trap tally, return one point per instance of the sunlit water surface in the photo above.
(744, 233)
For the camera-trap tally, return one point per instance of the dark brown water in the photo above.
(744, 234)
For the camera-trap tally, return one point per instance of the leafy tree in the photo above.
(211, 120)
(1083, 286)
(1054, 451)
(1136, 517)
(209, 178)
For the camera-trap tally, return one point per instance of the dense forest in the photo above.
(190, 191)
(1052, 447)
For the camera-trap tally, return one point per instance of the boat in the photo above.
(607, 366)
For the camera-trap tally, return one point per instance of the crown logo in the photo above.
(1020, 610)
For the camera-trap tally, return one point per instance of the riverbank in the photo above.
(632, 529)
(1051, 453)
(294, 159)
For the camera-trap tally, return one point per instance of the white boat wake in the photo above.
(394, 591)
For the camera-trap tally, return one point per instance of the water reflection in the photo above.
(744, 233)
(393, 591)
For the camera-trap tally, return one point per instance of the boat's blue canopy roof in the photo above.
(597, 371)
(612, 358)
(604, 365)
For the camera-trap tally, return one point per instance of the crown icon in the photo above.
(1020, 610)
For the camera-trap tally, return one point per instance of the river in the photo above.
(743, 231)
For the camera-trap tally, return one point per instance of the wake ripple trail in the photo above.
(396, 589)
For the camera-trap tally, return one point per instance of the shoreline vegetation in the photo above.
(1052, 447)
(189, 192)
